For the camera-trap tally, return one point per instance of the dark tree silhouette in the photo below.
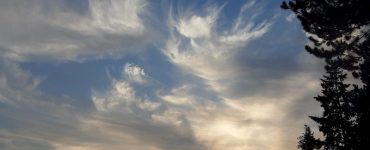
(339, 33)
(307, 141)
(336, 122)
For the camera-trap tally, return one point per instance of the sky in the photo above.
(153, 75)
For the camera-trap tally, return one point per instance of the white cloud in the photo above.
(34, 30)
(198, 26)
(198, 47)
(119, 97)
(134, 73)
(117, 16)
(169, 117)
(249, 122)
(32, 118)
(236, 121)
(179, 96)
(140, 116)
(198, 113)
(126, 119)
(123, 118)
(122, 98)
(122, 94)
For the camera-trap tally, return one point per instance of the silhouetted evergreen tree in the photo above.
(339, 32)
(337, 28)
(362, 97)
(336, 122)
(307, 141)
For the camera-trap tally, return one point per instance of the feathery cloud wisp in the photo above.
(33, 30)
(213, 78)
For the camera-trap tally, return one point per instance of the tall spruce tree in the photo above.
(307, 141)
(336, 121)
(340, 34)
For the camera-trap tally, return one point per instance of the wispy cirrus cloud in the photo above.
(34, 30)
(142, 116)
(240, 83)
(135, 74)
(251, 99)
(196, 45)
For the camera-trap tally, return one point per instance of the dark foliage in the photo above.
(307, 141)
(340, 31)
(337, 120)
